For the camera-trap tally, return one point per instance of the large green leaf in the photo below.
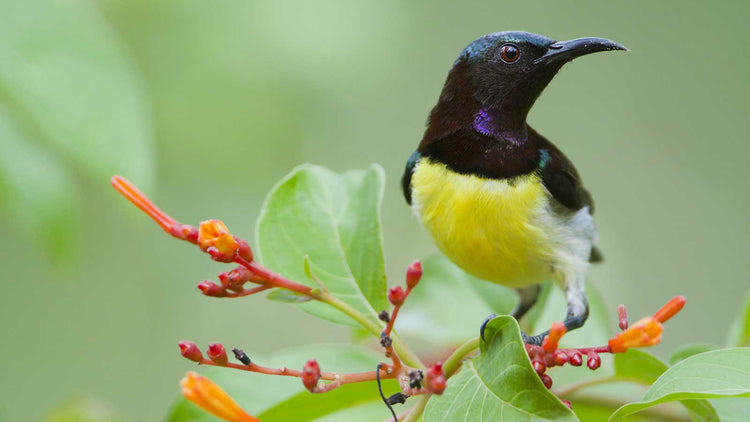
(715, 374)
(280, 399)
(35, 190)
(445, 286)
(639, 366)
(334, 219)
(70, 76)
(499, 384)
(684, 352)
(739, 333)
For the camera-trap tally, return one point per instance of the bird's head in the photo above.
(510, 69)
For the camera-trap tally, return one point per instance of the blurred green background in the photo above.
(207, 104)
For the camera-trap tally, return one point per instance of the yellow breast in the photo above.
(490, 228)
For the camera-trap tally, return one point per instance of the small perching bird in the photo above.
(499, 199)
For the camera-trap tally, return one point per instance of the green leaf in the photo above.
(444, 286)
(640, 366)
(684, 352)
(36, 191)
(715, 374)
(739, 333)
(83, 410)
(500, 384)
(70, 76)
(732, 410)
(335, 220)
(265, 395)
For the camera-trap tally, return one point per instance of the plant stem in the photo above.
(418, 409)
(403, 351)
(453, 362)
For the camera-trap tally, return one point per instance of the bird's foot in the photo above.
(534, 340)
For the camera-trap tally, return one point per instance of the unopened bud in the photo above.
(396, 295)
(245, 252)
(576, 359)
(567, 403)
(413, 274)
(546, 380)
(217, 353)
(594, 361)
(435, 379)
(622, 313)
(539, 367)
(560, 358)
(209, 288)
(189, 350)
(311, 374)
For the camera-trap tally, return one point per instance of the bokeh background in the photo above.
(207, 104)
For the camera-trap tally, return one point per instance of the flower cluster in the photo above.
(644, 333)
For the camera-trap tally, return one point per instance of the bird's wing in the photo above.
(561, 179)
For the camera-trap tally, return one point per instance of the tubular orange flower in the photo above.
(646, 332)
(214, 238)
(670, 309)
(211, 398)
(549, 344)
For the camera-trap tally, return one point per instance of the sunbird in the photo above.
(500, 200)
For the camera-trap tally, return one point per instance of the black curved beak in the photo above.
(565, 51)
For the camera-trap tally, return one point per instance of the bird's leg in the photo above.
(578, 312)
(528, 296)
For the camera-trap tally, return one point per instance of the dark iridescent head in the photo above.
(510, 69)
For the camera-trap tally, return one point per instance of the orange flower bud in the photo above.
(646, 332)
(549, 344)
(214, 238)
(670, 309)
(210, 397)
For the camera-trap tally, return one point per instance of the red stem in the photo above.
(345, 378)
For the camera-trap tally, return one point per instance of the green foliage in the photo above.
(280, 399)
(714, 374)
(739, 334)
(332, 222)
(323, 229)
(71, 96)
(500, 384)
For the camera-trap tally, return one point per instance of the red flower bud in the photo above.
(413, 274)
(209, 288)
(576, 359)
(539, 367)
(546, 380)
(594, 361)
(396, 295)
(560, 358)
(189, 350)
(217, 353)
(245, 252)
(311, 374)
(622, 314)
(435, 379)
(567, 403)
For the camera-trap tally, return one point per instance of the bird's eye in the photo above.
(509, 53)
